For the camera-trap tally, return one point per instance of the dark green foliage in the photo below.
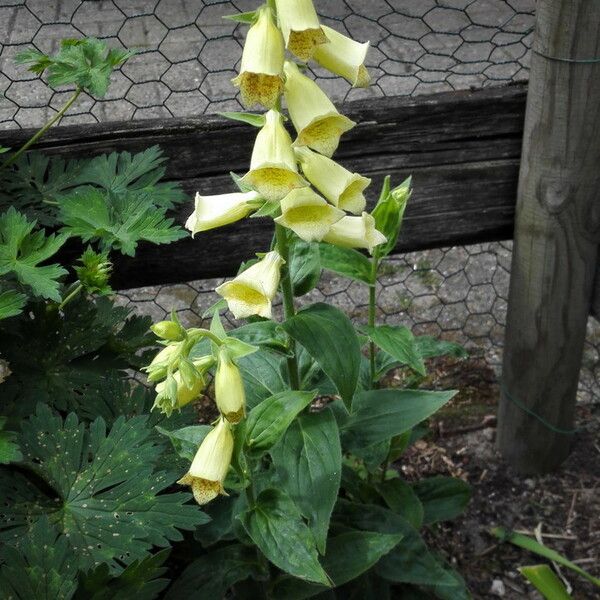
(86, 63)
(83, 477)
(64, 359)
(9, 448)
(11, 303)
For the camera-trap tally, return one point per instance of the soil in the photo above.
(563, 504)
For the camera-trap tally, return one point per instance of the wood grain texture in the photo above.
(557, 232)
(462, 149)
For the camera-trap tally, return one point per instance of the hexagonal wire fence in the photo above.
(187, 55)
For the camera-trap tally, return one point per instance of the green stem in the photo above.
(372, 313)
(57, 117)
(197, 333)
(289, 309)
(78, 287)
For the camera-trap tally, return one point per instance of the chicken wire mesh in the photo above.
(187, 55)
(187, 52)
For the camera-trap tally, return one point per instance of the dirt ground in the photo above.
(565, 504)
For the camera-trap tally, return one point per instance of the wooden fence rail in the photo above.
(462, 149)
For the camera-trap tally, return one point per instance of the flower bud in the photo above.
(223, 209)
(252, 291)
(210, 465)
(169, 330)
(167, 400)
(318, 123)
(344, 57)
(307, 214)
(341, 187)
(302, 31)
(229, 388)
(389, 212)
(355, 232)
(261, 74)
(273, 171)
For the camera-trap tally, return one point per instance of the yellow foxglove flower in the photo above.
(229, 388)
(273, 171)
(356, 232)
(301, 28)
(344, 57)
(307, 214)
(159, 366)
(261, 74)
(216, 211)
(341, 187)
(252, 291)
(318, 123)
(184, 394)
(210, 465)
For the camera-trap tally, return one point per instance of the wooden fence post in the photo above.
(556, 237)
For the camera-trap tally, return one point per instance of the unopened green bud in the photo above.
(389, 212)
(169, 330)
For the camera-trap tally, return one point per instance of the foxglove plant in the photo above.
(303, 421)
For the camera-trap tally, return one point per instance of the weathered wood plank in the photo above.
(557, 232)
(461, 148)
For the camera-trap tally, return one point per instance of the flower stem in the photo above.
(76, 289)
(57, 117)
(372, 313)
(289, 309)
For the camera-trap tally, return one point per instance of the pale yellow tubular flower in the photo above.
(341, 187)
(184, 394)
(302, 31)
(210, 465)
(273, 170)
(355, 232)
(229, 388)
(222, 209)
(344, 57)
(308, 215)
(318, 123)
(252, 292)
(261, 73)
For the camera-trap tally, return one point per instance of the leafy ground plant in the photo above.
(86, 480)
(295, 472)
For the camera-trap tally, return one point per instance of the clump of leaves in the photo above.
(87, 63)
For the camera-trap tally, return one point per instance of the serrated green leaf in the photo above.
(116, 221)
(70, 364)
(442, 498)
(399, 342)
(268, 421)
(345, 261)
(546, 582)
(256, 120)
(39, 565)
(212, 574)
(142, 580)
(329, 337)
(108, 503)
(379, 415)
(309, 463)
(277, 528)
(87, 63)
(401, 498)
(22, 251)
(11, 303)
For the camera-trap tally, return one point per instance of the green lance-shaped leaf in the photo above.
(309, 463)
(443, 498)
(378, 415)
(329, 337)
(305, 267)
(256, 120)
(268, 421)
(532, 545)
(276, 527)
(429, 347)
(410, 561)
(349, 555)
(545, 581)
(400, 343)
(211, 575)
(401, 498)
(345, 261)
